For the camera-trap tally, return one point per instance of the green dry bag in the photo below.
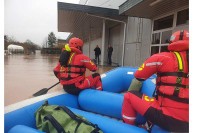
(60, 119)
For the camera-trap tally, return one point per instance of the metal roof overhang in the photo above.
(150, 8)
(76, 19)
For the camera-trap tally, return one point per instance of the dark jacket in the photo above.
(110, 50)
(97, 51)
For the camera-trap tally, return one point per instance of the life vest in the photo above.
(172, 82)
(74, 70)
(177, 82)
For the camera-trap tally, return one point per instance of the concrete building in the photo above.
(135, 28)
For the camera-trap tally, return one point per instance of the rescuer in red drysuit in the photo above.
(71, 69)
(170, 108)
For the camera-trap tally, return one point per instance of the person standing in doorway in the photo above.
(97, 53)
(110, 50)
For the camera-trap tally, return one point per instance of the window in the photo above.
(163, 23)
(156, 38)
(164, 49)
(154, 50)
(166, 36)
(163, 27)
(183, 17)
(158, 45)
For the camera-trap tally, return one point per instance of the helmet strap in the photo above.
(80, 48)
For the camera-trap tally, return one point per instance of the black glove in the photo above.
(94, 61)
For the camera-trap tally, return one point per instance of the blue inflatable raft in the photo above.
(100, 107)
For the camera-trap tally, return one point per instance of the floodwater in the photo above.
(26, 74)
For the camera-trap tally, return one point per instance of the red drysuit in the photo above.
(72, 77)
(170, 109)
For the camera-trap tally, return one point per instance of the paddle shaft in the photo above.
(53, 86)
(44, 91)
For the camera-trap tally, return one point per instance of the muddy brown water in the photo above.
(26, 74)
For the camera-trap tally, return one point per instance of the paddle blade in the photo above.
(41, 92)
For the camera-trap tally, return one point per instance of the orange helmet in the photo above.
(179, 35)
(179, 41)
(75, 42)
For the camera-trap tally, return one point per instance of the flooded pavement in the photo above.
(26, 74)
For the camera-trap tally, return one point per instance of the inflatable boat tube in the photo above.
(23, 129)
(25, 115)
(96, 106)
(101, 102)
(94, 101)
(119, 79)
(122, 78)
(26, 118)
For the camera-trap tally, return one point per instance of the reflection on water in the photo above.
(26, 74)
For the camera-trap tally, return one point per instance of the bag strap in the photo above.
(78, 119)
(54, 123)
(46, 103)
(79, 123)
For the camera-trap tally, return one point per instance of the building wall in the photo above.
(146, 40)
(93, 43)
(114, 41)
(136, 51)
(137, 46)
(138, 39)
(86, 48)
(121, 44)
(89, 51)
(105, 56)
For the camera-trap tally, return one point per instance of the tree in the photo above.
(45, 43)
(8, 40)
(29, 42)
(11, 39)
(51, 39)
(31, 46)
(5, 42)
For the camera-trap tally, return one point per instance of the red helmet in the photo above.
(75, 42)
(179, 41)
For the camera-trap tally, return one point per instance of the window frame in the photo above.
(171, 14)
(174, 13)
(177, 17)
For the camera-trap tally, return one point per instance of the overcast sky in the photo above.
(32, 19)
